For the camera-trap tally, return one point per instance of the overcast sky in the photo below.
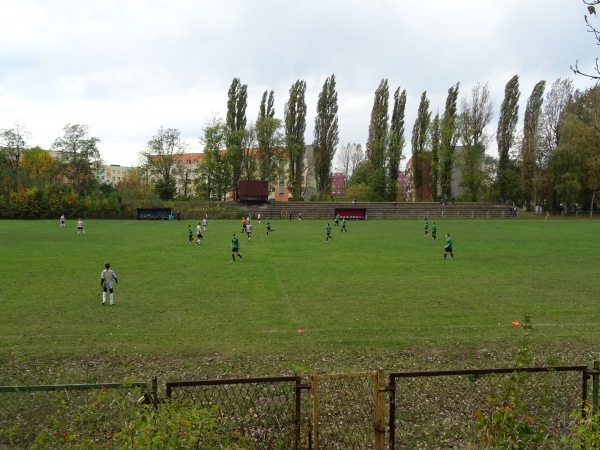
(127, 67)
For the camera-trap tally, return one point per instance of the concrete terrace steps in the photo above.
(326, 210)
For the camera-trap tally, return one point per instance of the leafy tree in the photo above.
(448, 139)
(396, 141)
(39, 166)
(326, 136)
(295, 126)
(249, 156)
(13, 141)
(505, 134)
(79, 157)
(214, 178)
(435, 139)
(269, 139)
(165, 147)
(419, 145)
(560, 95)
(377, 139)
(531, 140)
(475, 116)
(236, 122)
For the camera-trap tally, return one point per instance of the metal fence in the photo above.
(429, 409)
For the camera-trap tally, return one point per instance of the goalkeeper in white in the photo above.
(106, 281)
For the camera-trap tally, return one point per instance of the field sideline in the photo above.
(381, 288)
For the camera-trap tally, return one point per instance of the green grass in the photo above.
(380, 289)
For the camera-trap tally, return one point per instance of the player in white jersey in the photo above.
(204, 223)
(62, 220)
(80, 226)
(106, 281)
(249, 230)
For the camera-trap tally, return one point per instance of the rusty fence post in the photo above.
(595, 376)
(380, 392)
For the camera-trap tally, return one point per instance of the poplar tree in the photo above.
(505, 134)
(236, 122)
(396, 143)
(377, 140)
(295, 126)
(326, 136)
(435, 138)
(475, 116)
(531, 141)
(448, 139)
(419, 145)
(269, 138)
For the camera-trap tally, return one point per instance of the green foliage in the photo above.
(509, 424)
(419, 144)
(395, 146)
(448, 139)
(586, 430)
(326, 136)
(505, 134)
(295, 125)
(112, 421)
(531, 140)
(378, 129)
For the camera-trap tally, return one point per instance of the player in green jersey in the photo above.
(343, 225)
(426, 227)
(235, 248)
(433, 231)
(190, 234)
(448, 247)
(328, 231)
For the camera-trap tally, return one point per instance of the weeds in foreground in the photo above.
(117, 422)
(509, 423)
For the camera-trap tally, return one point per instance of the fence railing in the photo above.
(426, 409)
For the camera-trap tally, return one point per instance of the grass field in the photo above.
(378, 295)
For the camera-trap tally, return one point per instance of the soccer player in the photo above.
(258, 217)
(199, 234)
(106, 281)
(336, 222)
(426, 227)
(343, 225)
(249, 230)
(204, 223)
(62, 221)
(328, 231)
(235, 248)
(433, 231)
(448, 247)
(244, 223)
(190, 234)
(269, 227)
(80, 226)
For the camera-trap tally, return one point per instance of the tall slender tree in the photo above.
(377, 140)
(295, 126)
(236, 122)
(79, 157)
(560, 95)
(269, 139)
(419, 146)
(326, 136)
(448, 140)
(505, 134)
(476, 114)
(530, 146)
(435, 144)
(396, 141)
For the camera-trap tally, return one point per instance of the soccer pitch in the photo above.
(381, 287)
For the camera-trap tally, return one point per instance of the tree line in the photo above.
(552, 162)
